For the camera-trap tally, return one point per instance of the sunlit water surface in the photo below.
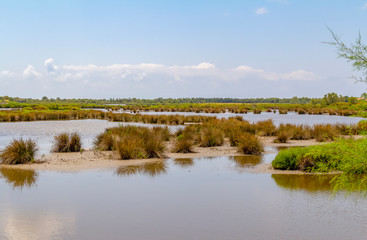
(206, 198)
(44, 131)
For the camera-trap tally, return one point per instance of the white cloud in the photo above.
(261, 11)
(299, 75)
(50, 66)
(6, 74)
(31, 72)
(149, 79)
(204, 65)
(364, 6)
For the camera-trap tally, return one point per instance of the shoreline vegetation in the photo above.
(96, 159)
(342, 153)
(25, 109)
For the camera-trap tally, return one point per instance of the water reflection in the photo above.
(309, 183)
(245, 161)
(18, 224)
(184, 162)
(19, 178)
(152, 169)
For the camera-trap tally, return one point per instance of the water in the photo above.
(205, 198)
(291, 117)
(44, 131)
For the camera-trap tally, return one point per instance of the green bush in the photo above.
(288, 159)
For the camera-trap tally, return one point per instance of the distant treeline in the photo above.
(330, 97)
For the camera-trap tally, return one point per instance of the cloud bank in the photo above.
(148, 80)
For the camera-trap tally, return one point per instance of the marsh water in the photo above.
(204, 198)
(290, 117)
(44, 131)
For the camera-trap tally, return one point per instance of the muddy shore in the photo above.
(92, 159)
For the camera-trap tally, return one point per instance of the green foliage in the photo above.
(288, 159)
(356, 53)
(346, 156)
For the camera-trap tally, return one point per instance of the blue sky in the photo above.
(147, 49)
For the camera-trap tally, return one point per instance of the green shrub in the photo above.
(288, 159)
(19, 152)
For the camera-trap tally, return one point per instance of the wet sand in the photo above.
(92, 159)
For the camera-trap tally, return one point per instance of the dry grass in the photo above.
(19, 152)
(265, 128)
(250, 144)
(67, 142)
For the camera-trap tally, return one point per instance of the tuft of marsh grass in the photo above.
(324, 133)
(67, 142)
(130, 147)
(19, 151)
(211, 137)
(131, 142)
(250, 144)
(184, 143)
(265, 128)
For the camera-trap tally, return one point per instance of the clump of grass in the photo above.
(299, 132)
(184, 143)
(283, 111)
(257, 111)
(282, 136)
(265, 128)
(362, 127)
(129, 147)
(132, 142)
(211, 137)
(105, 141)
(19, 151)
(250, 144)
(324, 133)
(67, 142)
(153, 144)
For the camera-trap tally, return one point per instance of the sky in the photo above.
(174, 48)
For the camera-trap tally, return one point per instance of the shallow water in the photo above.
(206, 198)
(291, 117)
(44, 131)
